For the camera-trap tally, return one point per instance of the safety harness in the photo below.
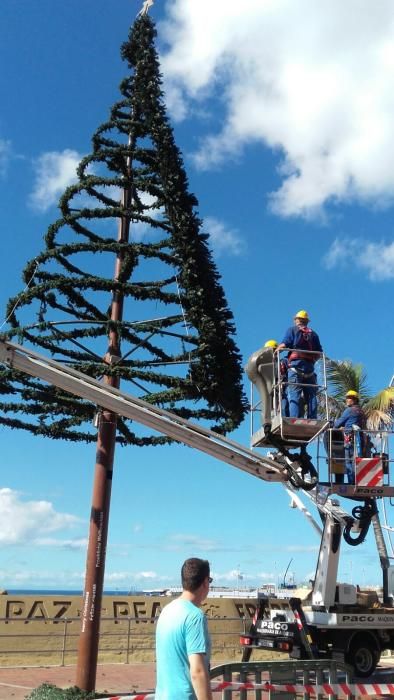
(303, 375)
(303, 341)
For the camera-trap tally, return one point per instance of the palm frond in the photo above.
(379, 409)
(343, 375)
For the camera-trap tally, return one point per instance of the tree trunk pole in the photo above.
(95, 564)
(99, 518)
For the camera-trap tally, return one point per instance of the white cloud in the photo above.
(174, 98)
(77, 543)
(223, 240)
(41, 578)
(145, 575)
(267, 576)
(234, 575)
(24, 522)
(118, 577)
(126, 576)
(302, 548)
(5, 154)
(312, 81)
(336, 256)
(54, 172)
(181, 541)
(376, 259)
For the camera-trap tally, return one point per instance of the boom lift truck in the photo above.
(337, 620)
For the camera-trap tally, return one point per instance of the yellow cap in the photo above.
(352, 394)
(271, 344)
(302, 314)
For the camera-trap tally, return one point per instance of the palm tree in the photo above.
(343, 375)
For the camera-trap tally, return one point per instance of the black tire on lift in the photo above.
(363, 655)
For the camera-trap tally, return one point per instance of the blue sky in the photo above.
(283, 111)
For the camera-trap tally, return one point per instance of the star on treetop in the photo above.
(145, 7)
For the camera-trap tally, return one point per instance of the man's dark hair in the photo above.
(194, 572)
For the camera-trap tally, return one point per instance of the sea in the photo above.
(214, 593)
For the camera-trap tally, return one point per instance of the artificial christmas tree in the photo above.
(168, 330)
(173, 319)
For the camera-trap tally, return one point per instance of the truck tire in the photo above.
(363, 655)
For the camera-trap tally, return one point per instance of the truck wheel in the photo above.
(363, 655)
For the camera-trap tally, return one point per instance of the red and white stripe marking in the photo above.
(298, 619)
(340, 689)
(369, 471)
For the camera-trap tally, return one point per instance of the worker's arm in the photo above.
(200, 677)
(340, 422)
(288, 340)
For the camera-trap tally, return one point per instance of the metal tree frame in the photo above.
(211, 385)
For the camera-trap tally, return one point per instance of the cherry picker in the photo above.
(337, 622)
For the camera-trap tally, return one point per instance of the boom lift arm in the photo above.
(354, 528)
(226, 450)
(273, 468)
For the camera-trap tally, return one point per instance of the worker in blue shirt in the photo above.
(305, 349)
(352, 421)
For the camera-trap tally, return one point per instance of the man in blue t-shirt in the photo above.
(182, 640)
(305, 349)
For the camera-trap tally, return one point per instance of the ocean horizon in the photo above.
(65, 591)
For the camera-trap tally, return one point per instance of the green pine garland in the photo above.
(177, 342)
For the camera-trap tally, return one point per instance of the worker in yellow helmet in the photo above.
(305, 348)
(283, 379)
(352, 421)
(262, 371)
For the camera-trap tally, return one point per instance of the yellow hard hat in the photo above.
(271, 344)
(351, 394)
(302, 314)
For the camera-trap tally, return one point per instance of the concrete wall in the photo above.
(44, 629)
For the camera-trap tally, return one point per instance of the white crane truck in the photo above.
(338, 621)
(335, 621)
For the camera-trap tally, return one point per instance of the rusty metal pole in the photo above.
(99, 518)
